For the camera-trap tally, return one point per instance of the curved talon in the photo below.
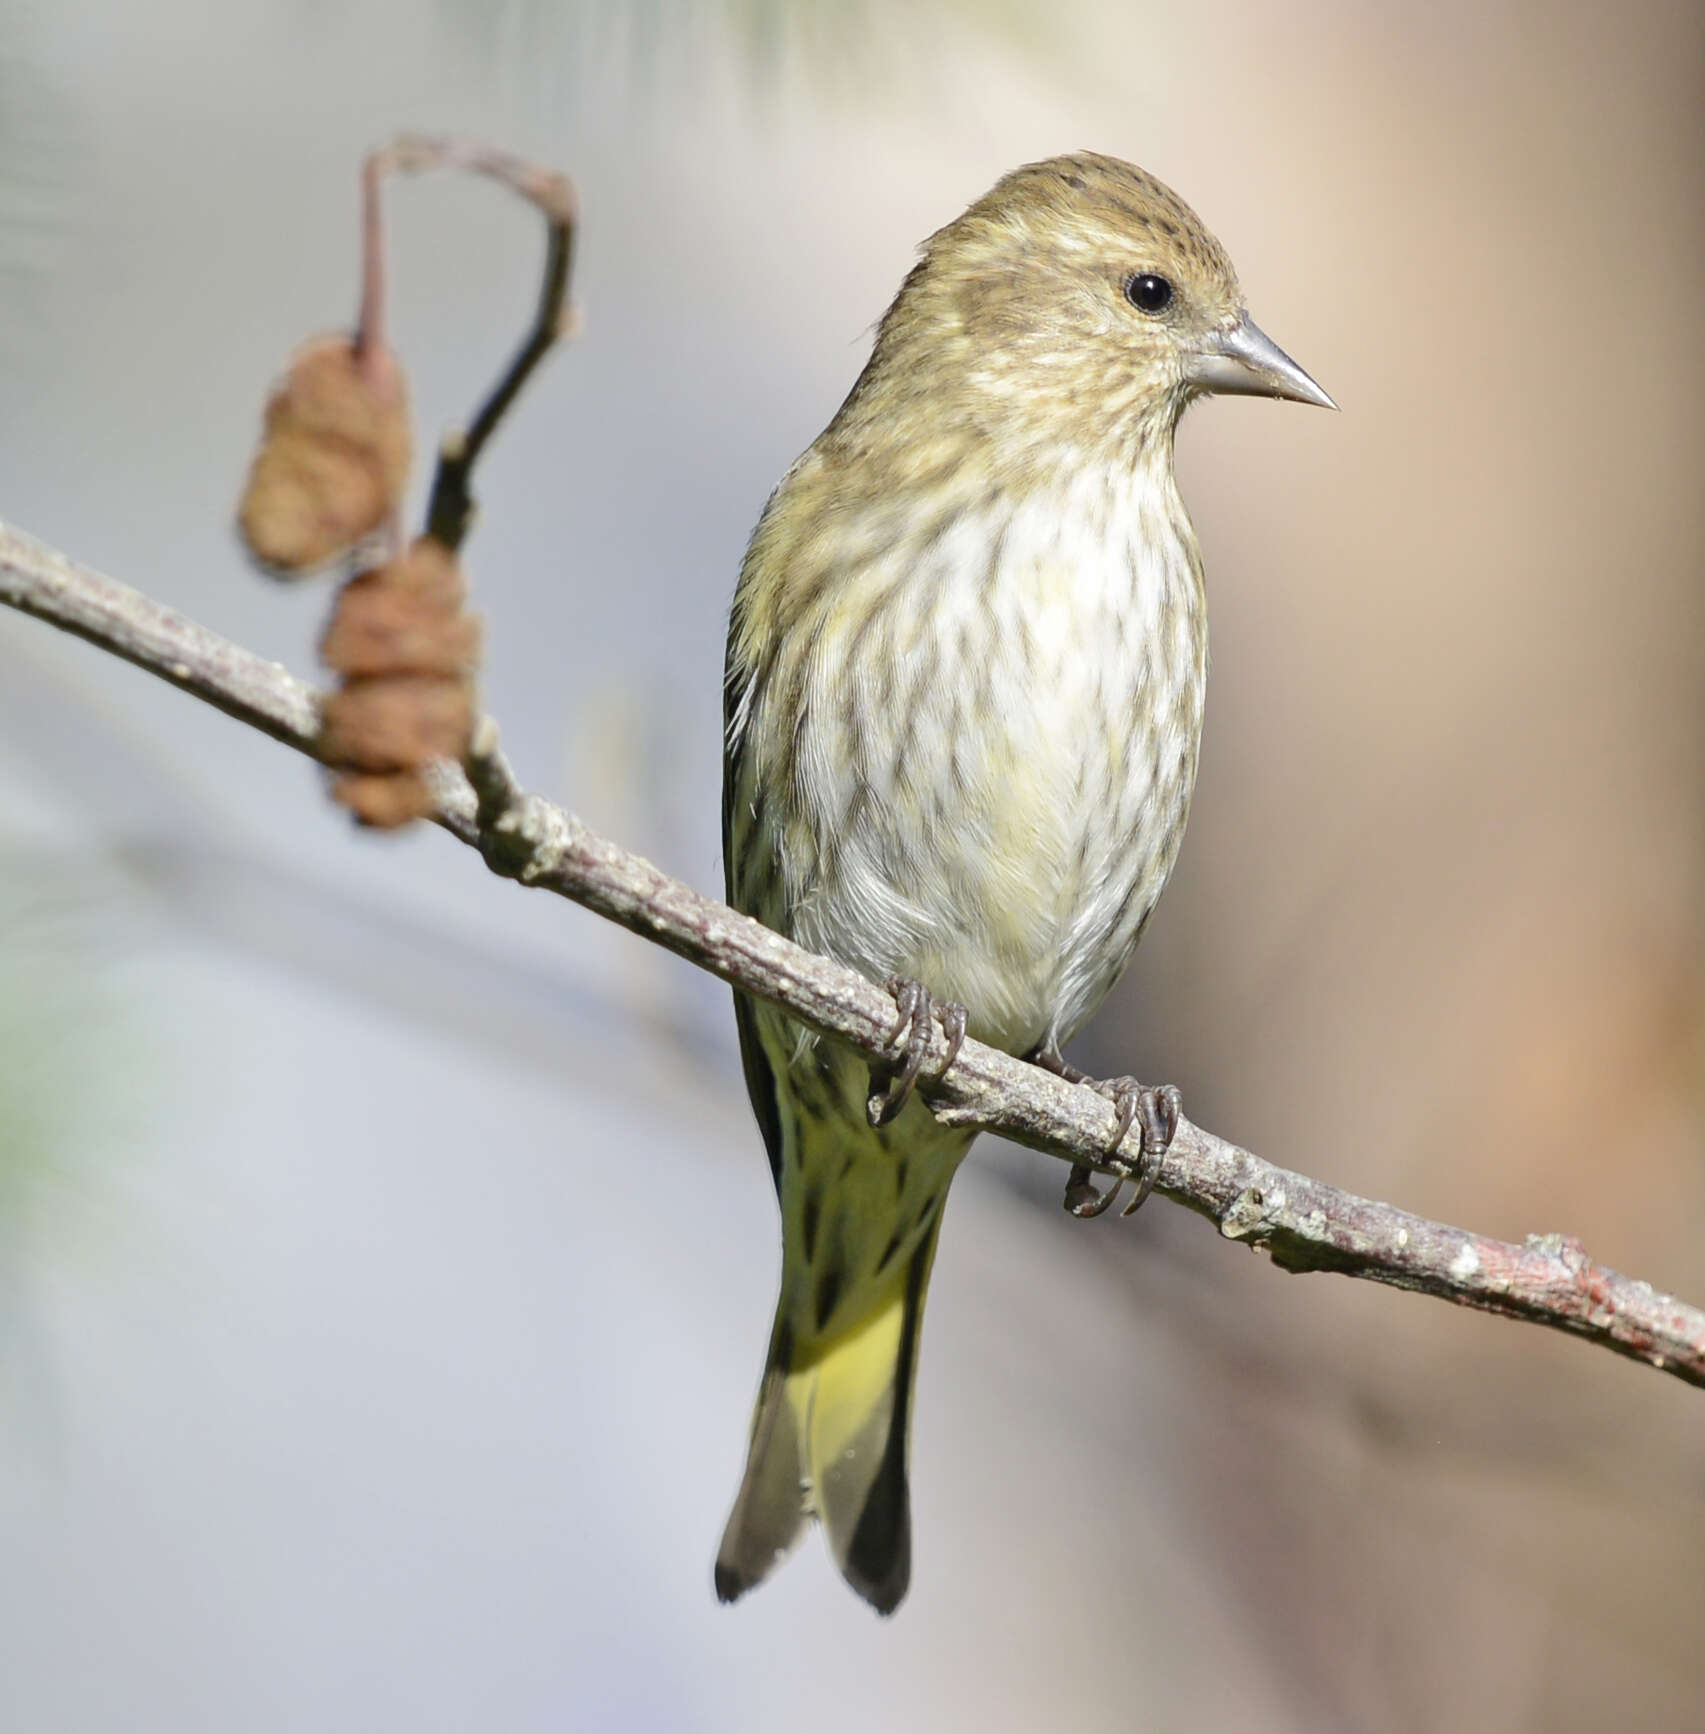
(1081, 1198)
(915, 1007)
(909, 997)
(1160, 1109)
(952, 1016)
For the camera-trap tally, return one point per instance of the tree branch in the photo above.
(1301, 1223)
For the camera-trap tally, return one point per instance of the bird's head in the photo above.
(1080, 304)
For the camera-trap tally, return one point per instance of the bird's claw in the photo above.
(1082, 1199)
(1157, 1108)
(915, 1007)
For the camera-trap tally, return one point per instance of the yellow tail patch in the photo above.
(845, 1393)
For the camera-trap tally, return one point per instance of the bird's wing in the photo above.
(760, 1075)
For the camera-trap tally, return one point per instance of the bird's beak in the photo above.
(1244, 361)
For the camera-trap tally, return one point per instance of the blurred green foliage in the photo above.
(69, 1076)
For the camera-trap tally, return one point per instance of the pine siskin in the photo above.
(966, 668)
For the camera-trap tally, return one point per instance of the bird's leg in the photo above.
(1081, 1199)
(915, 1006)
(1156, 1106)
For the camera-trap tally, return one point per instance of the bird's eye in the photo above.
(1148, 293)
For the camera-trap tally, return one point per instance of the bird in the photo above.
(966, 666)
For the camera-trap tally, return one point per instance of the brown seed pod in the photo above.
(404, 617)
(396, 722)
(384, 802)
(407, 654)
(334, 456)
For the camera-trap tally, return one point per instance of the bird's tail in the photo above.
(829, 1441)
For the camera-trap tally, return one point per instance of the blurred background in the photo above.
(386, 1257)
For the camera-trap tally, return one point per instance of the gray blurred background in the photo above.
(386, 1257)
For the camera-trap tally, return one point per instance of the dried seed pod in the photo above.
(396, 722)
(384, 802)
(407, 654)
(334, 456)
(404, 617)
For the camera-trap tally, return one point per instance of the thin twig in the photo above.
(1301, 1223)
(451, 509)
(371, 337)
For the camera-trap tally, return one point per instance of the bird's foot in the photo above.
(1155, 1107)
(916, 1007)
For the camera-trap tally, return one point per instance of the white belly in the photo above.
(994, 772)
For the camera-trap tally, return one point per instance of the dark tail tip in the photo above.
(730, 1585)
(879, 1563)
